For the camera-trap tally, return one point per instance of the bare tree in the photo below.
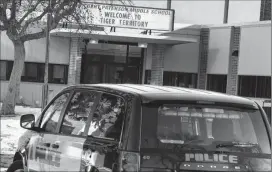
(25, 20)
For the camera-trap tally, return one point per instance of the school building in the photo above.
(177, 43)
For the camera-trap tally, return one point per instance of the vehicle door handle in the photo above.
(55, 145)
(46, 144)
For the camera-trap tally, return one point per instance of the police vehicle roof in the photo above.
(157, 93)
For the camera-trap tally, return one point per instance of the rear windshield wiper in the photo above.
(236, 144)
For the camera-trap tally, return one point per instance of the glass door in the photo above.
(132, 75)
(111, 63)
(114, 73)
(93, 74)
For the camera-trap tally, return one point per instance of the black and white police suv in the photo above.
(135, 128)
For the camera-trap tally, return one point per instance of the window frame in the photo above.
(88, 122)
(173, 78)
(84, 134)
(38, 78)
(62, 111)
(9, 67)
(220, 79)
(257, 81)
(5, 67)
(51, 73)
(123, 122)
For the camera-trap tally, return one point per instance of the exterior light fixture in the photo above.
(93, 41)
(142, 45)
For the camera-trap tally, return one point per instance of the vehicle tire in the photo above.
(16, 166)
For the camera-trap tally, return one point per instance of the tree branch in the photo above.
(32, 36)
(29, 11)
(32, 20)
(13, 10)
(3, 15)
(67, 12)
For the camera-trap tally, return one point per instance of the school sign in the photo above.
(130, 17)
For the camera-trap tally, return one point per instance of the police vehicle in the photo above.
(137, 128)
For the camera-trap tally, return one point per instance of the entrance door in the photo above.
(93, 73)
(114, 73)
(112, 63)
(132, 75)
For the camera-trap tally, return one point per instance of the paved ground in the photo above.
(3, 169)
(10, 133)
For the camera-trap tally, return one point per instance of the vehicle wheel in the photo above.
(16, 166)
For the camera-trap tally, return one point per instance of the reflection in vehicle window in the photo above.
(52, 114)
(108, 117)
(77, 113)
(205, 126)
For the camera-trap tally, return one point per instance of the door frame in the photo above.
(126, 64)
(42, 133)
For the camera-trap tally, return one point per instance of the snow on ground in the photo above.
(10, 133)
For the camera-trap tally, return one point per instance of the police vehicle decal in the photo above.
(208, 161)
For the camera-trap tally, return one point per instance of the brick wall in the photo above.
(203, 58)
(265, 12)
(157, 65)
(232, 78)
(75, 61)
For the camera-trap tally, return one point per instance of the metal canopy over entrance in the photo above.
(124, 37)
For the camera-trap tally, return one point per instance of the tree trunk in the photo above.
(15, 79)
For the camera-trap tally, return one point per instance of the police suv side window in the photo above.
(52, 114)
(108, 117)
(77, 112)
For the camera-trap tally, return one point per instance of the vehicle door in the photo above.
(40, 143)
(100, 151)
(68, 144)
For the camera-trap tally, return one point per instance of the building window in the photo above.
(5, 69)
(33, 72)
(180, 79)
(147, 76)
(58, 74)
(217, 83)
(254, 86)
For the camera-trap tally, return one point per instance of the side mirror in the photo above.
(27, 121)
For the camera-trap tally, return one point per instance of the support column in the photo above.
(144, 66)
(203, 58)
(75, 61)
(232, 78)
(157, 65)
